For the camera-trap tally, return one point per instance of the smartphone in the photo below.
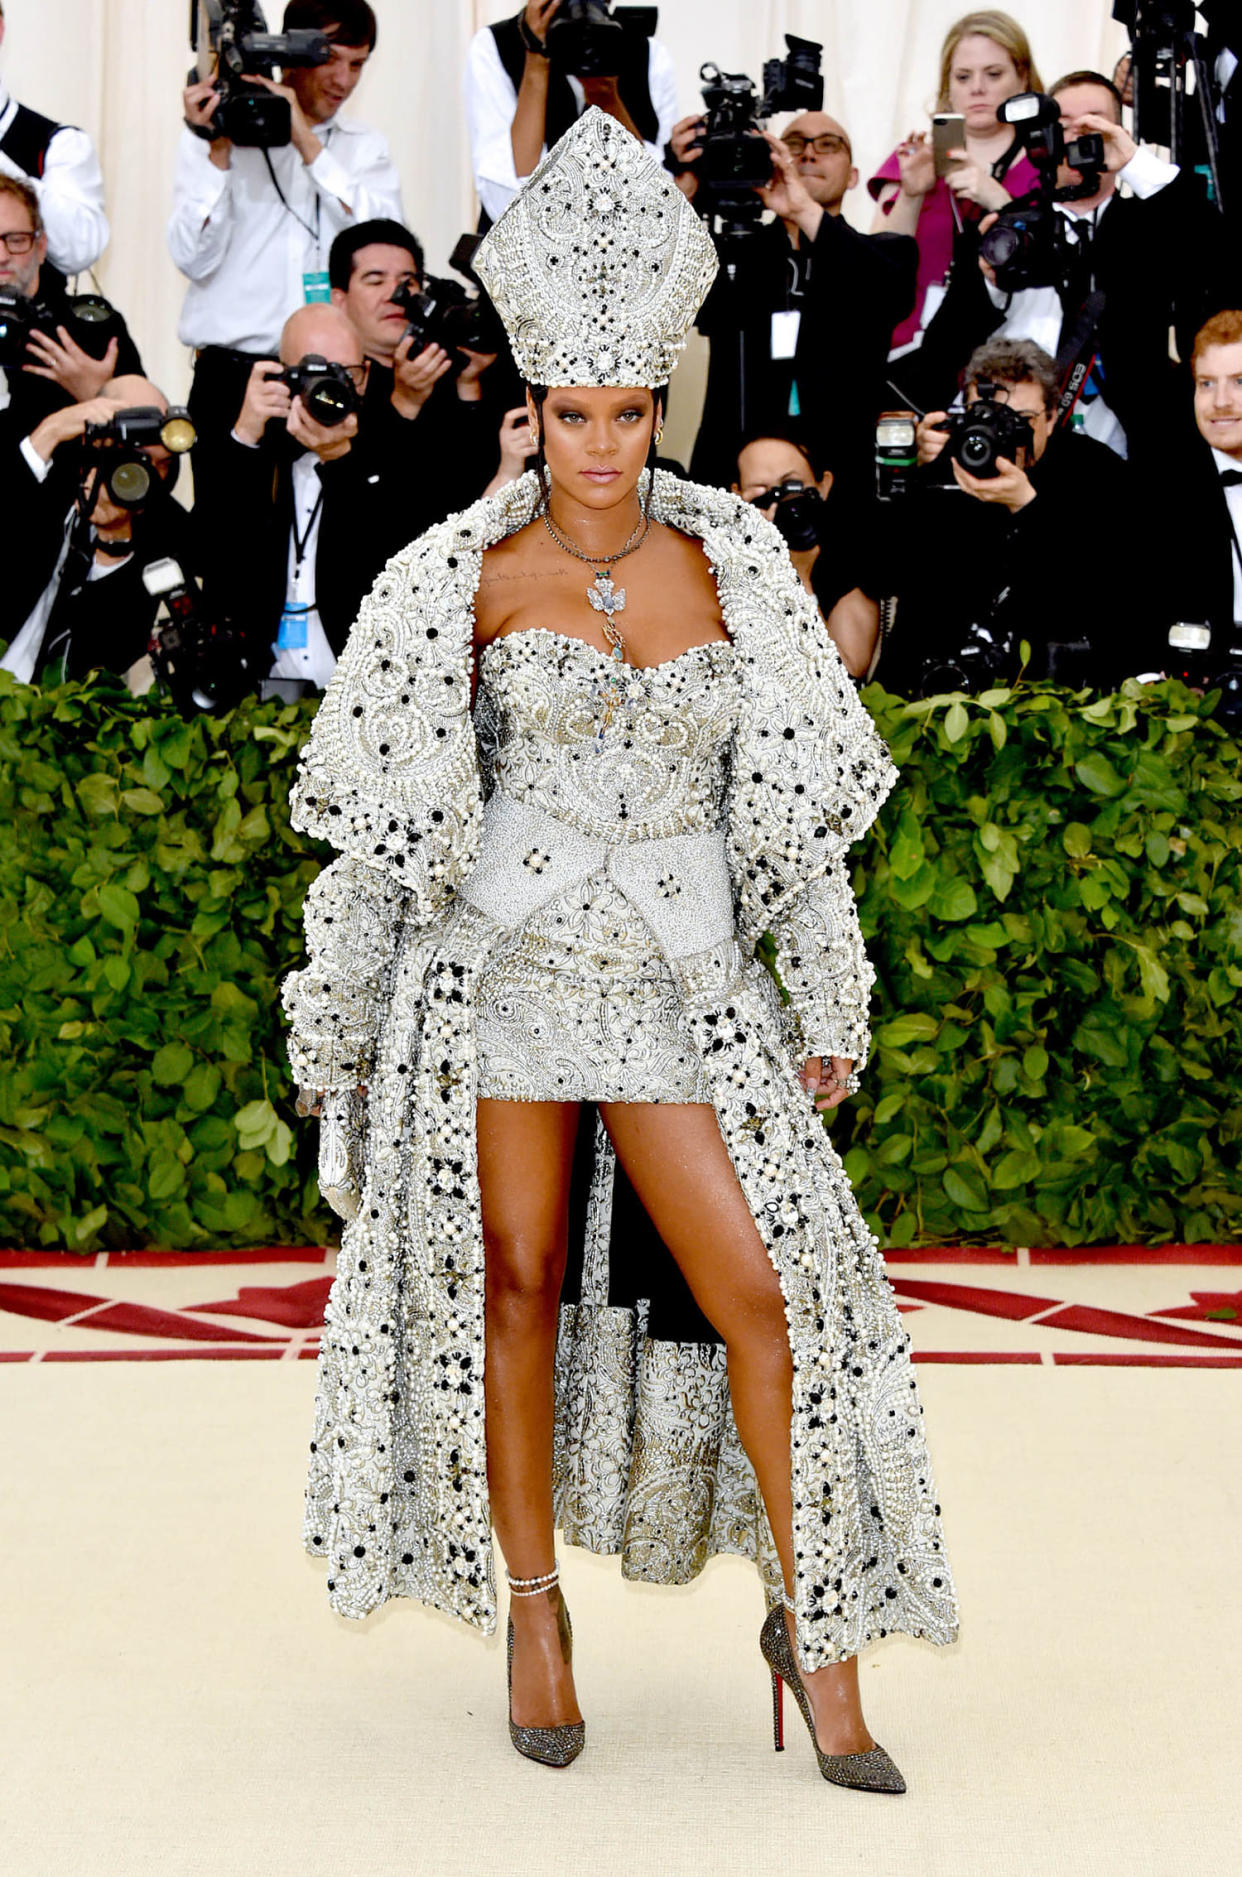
(948, 133)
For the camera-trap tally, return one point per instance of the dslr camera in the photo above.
(985, 431)
(231, 43)
(1209, 660)
(327, 390)
(441, 312)
(734, 161)
(203, 665)
(799, 512)
(1028, 244)
(117, 452)
(93, 323)
(590, 39)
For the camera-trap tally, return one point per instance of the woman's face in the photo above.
(981, 76)
(595, 440)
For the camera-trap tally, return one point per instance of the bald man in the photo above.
(74, 597)
(812, 301)
(300, 516)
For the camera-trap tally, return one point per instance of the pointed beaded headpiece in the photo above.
(599, 264)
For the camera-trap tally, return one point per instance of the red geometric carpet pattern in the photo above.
(1129, 1305)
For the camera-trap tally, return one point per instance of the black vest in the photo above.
(26, 140)
(632, 83)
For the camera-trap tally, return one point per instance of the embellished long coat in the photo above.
(647, 1461)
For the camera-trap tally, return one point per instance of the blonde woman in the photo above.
(985, 59)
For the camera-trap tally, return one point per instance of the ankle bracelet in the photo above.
(532, 1586)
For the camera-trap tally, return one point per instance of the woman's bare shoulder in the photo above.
(505, 568)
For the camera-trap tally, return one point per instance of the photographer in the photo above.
(1026, 544)
(59, 164)
(92, 514)
(310, 506)
(55, 349)
(1155, 259)
(808, 313)
(251, 227)
(831, 543)
(430, 405)
(530, 77)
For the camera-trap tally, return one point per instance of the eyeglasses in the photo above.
(19, 243)
(824, 145)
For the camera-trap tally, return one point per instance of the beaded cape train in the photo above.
(697, 825)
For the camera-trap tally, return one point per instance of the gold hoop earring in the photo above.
(659, 433)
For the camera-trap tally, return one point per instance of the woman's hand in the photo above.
(827, 1080)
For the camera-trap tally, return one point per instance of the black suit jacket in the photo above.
(1162, 261)
(1188, 548)
(859, 288)
(109, 620)
(397, 479)
(1063, 569)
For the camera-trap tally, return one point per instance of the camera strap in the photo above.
(1077, 355)
(302, 541)
(288, 207)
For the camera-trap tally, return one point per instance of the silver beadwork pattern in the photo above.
(599, 264)
(392, 776)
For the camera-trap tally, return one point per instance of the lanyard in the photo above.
(302, 541)
(287, 206)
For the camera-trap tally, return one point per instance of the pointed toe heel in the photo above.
(872, 1771)
(547, 1746)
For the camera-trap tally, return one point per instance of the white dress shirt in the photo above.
(243, 252)
(23, 654)
(70, 192)
(315, 661)
(1036, 312)
(491, 102)
(1233, 497)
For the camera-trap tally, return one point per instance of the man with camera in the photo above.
(830, 541)
(59, 165)
(89, 500)
(307, 504)
(267, 175)
(1104, 278)
(1012, 530)
(802, 327)
(426, 394)
(530, 77)
(56, 348)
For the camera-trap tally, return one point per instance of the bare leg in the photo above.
(680, 1168)
(525, 1150)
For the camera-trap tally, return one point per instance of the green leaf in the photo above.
(118, 906)
(915, 1026)
(954, 899)
(1035, 1062)
(171, 1064)
(956, 722)
(1076, 839)
(1096, 773)
(964, 1190)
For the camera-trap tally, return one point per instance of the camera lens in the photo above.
(129, 482)
(975, 453)
(327, 402)
(1000, 244)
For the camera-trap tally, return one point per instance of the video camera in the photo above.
(117, 452)
(205, 667)
(1028, 244)
(441, 312)
(328, 392)
(590, 39)
(799, 512)
(734, 161)
(93, 323)
(231, 43)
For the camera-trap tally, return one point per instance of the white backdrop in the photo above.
(116, 67)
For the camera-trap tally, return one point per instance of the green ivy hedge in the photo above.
(1051, 901)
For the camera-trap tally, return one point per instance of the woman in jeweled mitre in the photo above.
(588, 743)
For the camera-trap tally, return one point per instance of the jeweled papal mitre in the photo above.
(599, 264)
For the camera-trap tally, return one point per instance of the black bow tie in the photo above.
(1230, 478)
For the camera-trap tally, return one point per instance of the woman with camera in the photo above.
(928, 190)
(588, 743)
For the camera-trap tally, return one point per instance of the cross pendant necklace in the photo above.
(607, 600)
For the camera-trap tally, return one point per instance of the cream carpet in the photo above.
(178, 1698)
